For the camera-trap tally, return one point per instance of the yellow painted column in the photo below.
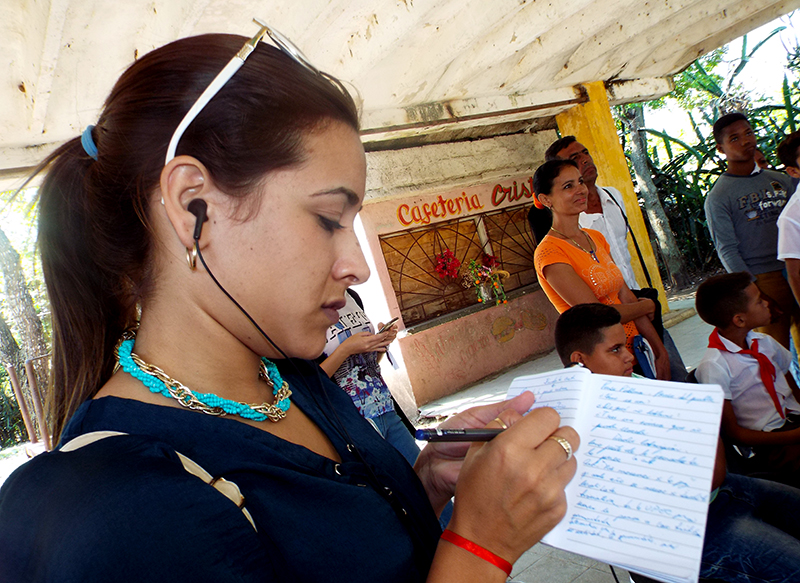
(591, 123)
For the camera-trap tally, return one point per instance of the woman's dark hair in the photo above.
(94, 237)
(546, 174)
(721, 297)
(540, 220)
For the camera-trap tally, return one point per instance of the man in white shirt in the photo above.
(605, 212)
(611, 221)
(789, 219)
(789, 233)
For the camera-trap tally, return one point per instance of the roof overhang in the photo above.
(426, 71)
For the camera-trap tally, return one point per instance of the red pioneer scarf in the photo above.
(765, 367)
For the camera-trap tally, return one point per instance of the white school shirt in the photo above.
(611, 223)
(740, 379)
(789, 229)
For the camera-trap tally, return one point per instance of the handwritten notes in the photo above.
(640, 496)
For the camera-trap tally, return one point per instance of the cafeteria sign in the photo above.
(447, 207)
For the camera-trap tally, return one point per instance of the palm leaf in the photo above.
(681, 143)
(747, 56)
(787, 102)
(706, 81)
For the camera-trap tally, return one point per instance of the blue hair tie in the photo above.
(88, 142)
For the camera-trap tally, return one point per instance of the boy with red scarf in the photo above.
(761, 409)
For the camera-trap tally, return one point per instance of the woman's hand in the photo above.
(510, 491)
(663, 371)
(358, 344)
(439, 464)
(646, 329)
(573, 290)
(391, 332)
(368, 342)
(648, 306)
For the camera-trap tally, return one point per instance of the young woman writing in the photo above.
(166, 233)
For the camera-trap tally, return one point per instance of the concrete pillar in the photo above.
(591, 123)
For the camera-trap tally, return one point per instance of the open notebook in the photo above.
(640, 496)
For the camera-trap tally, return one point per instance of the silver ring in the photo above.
(563, 443)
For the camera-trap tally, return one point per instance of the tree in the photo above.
(22, 313)
(11, 430)
(633, 119)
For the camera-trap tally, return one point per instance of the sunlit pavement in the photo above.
(690, 336)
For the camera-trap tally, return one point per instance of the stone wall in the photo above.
(446, 166)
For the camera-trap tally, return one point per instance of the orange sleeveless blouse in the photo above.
(603, 278)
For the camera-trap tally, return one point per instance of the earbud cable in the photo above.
(378, 486)
(237, 304)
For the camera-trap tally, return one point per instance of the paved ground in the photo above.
(543, 563)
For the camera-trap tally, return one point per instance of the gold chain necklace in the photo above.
(207, 403)
(590, 251)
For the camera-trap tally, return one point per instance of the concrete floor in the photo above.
(543, 564)
(690, 336)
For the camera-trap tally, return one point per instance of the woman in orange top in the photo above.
(574, 265)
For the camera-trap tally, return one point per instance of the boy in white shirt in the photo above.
(761, 409)
(789, 219)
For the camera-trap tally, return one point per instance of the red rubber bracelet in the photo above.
(478, 551)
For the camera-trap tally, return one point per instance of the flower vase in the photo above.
(485, 292)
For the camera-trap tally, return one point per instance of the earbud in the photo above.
(198, 208)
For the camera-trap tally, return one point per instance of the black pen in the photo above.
(457, 434)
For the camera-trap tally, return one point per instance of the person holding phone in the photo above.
(352, 359)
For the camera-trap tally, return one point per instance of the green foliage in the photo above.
(683, 182)
(692, 166)
(12, 428)
(689, 92)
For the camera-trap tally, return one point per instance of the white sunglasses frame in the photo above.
(283, 43)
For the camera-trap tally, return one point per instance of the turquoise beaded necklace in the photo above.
(159, 382)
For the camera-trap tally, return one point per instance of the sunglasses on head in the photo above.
(284, 44)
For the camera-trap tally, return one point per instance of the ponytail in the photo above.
(90, 306)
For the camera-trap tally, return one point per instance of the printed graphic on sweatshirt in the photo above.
(764, 204)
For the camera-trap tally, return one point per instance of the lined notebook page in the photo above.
(640, 496)
(562, 390)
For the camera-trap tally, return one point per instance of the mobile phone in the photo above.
(388, 325)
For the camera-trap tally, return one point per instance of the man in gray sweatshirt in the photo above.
(742, 210)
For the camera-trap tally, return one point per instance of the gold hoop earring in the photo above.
(191, 257)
